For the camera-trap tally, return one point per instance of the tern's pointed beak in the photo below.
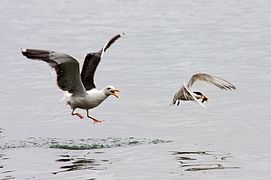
(114, 93)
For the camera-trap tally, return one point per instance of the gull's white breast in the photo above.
(92, 99)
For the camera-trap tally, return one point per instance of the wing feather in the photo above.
(91, 63)
(66, 67)
(218, 82)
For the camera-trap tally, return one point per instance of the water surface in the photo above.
(164, 44)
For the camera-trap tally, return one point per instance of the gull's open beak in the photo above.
(114, 93)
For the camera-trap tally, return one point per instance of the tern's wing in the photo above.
(218, 82)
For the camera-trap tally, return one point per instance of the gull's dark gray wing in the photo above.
(91, 63)
(66, 67)
(218, 82)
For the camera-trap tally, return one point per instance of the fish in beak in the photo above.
(204, 98)
(114, 93)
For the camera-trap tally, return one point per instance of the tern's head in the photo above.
(110, 90)
(201, 96)
(204, 98)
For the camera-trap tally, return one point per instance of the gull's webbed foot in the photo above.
(96, 121)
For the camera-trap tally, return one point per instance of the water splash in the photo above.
(79, 144)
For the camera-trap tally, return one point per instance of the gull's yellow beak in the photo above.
(114, 93)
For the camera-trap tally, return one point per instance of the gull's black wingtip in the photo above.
(111, 41)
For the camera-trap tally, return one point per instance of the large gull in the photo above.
(187, 94)
(82, 92)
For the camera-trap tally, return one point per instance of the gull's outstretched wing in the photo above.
(91, 63)
(66, 67)
(218, 82)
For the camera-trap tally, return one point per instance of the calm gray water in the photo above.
(143, 137)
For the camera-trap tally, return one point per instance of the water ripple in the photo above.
(203, 160)
(71, 163)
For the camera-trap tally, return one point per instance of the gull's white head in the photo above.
(111, 90)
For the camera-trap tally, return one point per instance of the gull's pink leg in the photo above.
(95, 121)
(77, 114)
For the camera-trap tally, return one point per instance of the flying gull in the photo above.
(187, 94)
(80, 87)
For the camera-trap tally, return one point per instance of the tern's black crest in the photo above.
(198, 93)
